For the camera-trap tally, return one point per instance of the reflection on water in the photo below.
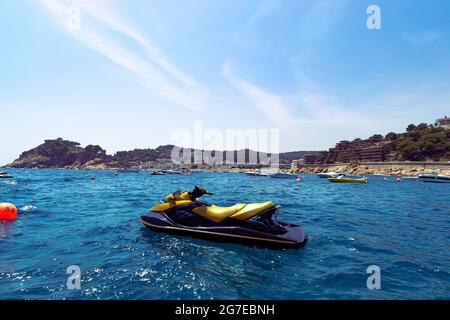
(5, 229)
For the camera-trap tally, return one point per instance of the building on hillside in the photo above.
(376, 153)
(296, 164)
(373, 149)
(314, 158)
(443, 122)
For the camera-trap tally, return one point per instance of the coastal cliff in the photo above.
(64, 154)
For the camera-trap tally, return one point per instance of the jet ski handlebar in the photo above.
(196, 193)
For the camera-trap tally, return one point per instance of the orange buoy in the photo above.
(8, 211)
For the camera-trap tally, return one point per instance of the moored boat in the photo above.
(172, 172)
(330, 175)
(342, 179)
(5, 175)
(282, 175)
(257, 173)
(435, 178)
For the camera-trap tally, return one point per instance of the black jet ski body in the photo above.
(183, 213)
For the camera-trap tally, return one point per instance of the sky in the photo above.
(131, 73)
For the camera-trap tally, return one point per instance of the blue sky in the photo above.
(136, 70)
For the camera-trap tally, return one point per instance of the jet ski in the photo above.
(184, 213)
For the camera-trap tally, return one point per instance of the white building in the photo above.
(443, 122)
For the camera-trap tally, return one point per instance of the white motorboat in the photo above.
(172, 172)
(282, 175)
(329, 175)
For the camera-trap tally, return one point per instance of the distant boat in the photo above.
(157, 173)
(172, 172)
(342, 179)
(255, 173)
(281, 175)
(4, 175)
(330, 175)
(434, 178)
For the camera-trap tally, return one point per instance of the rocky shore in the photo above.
(397, 169)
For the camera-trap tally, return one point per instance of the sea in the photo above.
(77, 238)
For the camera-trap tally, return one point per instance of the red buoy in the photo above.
(397, 180)
(8, 211)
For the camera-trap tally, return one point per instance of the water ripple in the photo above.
(66, 219)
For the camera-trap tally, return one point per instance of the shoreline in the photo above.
(383, 168)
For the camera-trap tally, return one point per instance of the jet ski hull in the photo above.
(229, 232)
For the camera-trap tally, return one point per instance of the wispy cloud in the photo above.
(264, 9)
(270, 104)
(152, 69)
(319, 106)
(321, 18)
(424, 37)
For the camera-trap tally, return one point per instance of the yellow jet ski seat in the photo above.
(239, 211)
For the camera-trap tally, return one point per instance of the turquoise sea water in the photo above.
(67, 219)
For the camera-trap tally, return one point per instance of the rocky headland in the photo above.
(64, 154)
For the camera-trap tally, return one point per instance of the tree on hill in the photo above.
(391, 136)
(423, 142)
(376, 138)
